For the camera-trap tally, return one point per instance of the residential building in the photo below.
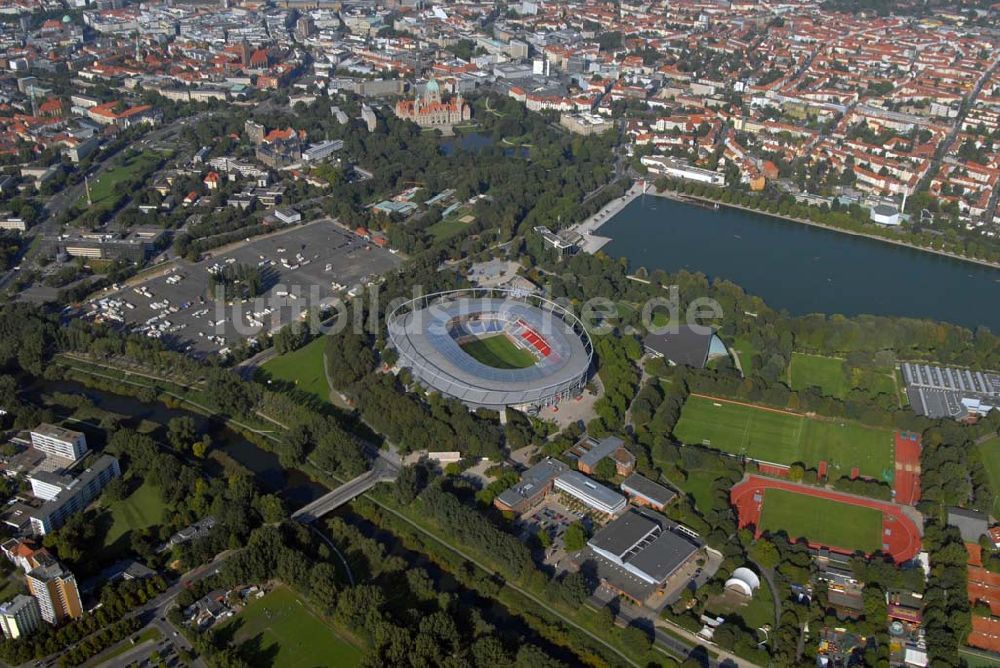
(57, 441)
(54, 587)
(71, 493)
(20, 617)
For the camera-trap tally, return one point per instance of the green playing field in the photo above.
(283, 633)
(499, 352)
(830, 523)
(784, 438)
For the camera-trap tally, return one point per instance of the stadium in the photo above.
(492, 348)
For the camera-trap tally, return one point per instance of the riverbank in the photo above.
(694, 199)
(592, 242)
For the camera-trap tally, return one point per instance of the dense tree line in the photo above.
(404, 620)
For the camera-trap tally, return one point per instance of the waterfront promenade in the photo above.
(592, 242)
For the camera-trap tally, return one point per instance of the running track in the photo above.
(900, 536)
(906, 481)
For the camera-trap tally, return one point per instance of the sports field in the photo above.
(822, 520)
(499, 352)
(990, 451)
(279, 630)
(786, 438)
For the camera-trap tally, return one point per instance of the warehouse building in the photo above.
(640, 551)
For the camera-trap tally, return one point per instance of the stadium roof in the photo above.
(420, 331)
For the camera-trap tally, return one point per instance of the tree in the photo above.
(764, 553)
(575, 537)
(115, 491)
(181, 432)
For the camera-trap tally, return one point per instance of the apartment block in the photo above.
(20, 617)
(55, 589)
(57, 441)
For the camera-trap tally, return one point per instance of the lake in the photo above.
(801, 268)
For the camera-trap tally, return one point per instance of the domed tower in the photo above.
(432, 92)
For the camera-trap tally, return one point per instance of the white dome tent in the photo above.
(744, 581)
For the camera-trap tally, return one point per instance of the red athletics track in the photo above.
(900, 535)
(906, 482)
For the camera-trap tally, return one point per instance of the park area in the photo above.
(498, 352)
(279, 630)
(302, 368)
(822, 521)
(131, 172)
(141, 509)
(834, 380)
(781, 437)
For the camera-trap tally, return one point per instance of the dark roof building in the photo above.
(638, 552)
(643, 491)
(971, 523)
(690, 346)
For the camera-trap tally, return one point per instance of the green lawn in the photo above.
(991, 460)
(827, 373)
(699, 484)
(303, 368)
(149, 634)
(756, 612)
(822, 521)
(745, 350)
(447, 228)
(784, 438)
(978, 659)
(281, 632)
(141, 509)
(499, 352)
(102, 188)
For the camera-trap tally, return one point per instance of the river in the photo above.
(291, 484)
(801, 268)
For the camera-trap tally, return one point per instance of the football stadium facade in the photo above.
(433, 336)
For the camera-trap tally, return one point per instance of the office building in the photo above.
(20, 617)
(59, 442)
(534, 484)
(590, 493)
(65, 494)
(54, 587)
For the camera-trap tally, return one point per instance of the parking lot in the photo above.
(302, 268)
